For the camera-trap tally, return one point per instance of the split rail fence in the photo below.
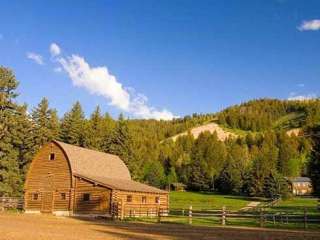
(7, 203)
(254, 217)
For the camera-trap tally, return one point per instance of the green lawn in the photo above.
(278, 216)
(297, 205)
(203, 200)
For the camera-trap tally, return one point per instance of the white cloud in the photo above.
(300, 85)
(99, 81)
(294, 97)
(54, 50)
(312, 25)
(37, 58)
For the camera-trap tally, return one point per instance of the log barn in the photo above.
(68, 180)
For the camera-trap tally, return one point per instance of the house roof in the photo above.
(122, 184)
(88, 162)
(300, 179)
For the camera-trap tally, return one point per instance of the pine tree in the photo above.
(314, 161)
(172, 176)
(120, 143)
(10, 174)
(94, 134)
(288, 155)
(46, 123)
(154, 174)
(73, 126)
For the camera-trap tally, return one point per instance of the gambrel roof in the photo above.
(87, 162)
(105, 169)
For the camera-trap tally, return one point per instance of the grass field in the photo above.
(205, 201)
(296, 206)
(201, 201)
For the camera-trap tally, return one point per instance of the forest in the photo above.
(257, 163)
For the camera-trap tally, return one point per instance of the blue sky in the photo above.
(160, 59)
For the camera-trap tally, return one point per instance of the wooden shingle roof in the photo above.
(102, 168)
(88, 162)
(122, 184)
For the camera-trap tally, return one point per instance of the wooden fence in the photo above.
(11, 203)
(257, 217)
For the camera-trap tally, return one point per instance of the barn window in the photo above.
(63, 196)
(51, 156)
(35, 196)
(157, 200)
(144, 199)
(86, 197)
(129, 198)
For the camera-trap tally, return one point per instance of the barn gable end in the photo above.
(49, 179)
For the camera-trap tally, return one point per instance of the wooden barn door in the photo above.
(105, 202)
(47, 202)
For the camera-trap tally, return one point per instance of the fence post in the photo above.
(190, 215)
(122, 211)
(223, 216)
(305, 218)
(274, 219)
(261, 217)
(159, 216)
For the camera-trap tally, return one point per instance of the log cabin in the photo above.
(300, 186)
(68, 180)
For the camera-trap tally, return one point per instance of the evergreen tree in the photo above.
(314, 161)
(95, 130)
(154, 174)
(46, 123)
(120, 143)
(73, 126)
(288, 155)
(10, 174)
(172, 176)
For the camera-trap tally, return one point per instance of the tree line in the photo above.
(256, 164)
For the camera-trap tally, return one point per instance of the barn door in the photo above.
(46, 202)
(105, 202)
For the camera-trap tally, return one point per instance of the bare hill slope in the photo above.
(211, 127)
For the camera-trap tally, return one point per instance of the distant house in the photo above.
(68, 180)
(177, 186)
(300, 185)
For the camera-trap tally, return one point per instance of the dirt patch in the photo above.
(250, 206)
(210, 127)
(36, 227)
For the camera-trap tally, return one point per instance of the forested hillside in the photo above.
(264, 114)
(253, 164)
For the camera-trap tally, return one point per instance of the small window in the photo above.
(144, 199)
(129, 198)
(52, 156)
(86, 197)
(63, 196)
(35, 196)
(157, 200)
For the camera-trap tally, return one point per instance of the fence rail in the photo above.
(225, 217)
(10, 203)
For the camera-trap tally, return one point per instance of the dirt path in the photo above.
(250, 206)
(46, 227)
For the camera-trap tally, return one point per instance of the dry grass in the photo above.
(36, 227)
(210, 127)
